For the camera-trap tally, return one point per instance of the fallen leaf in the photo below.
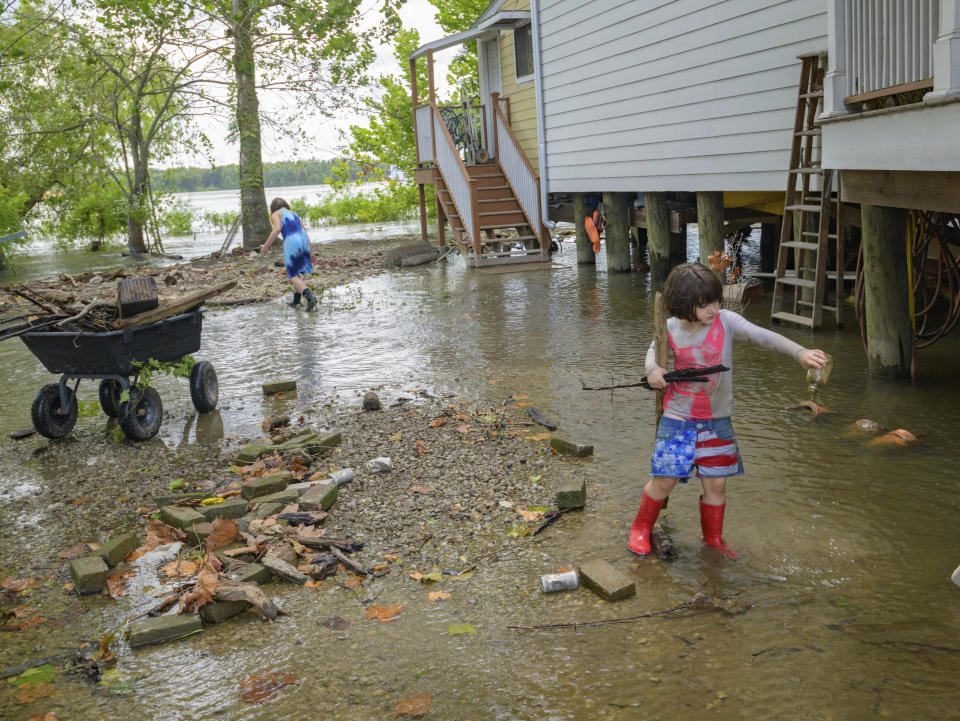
(230, 494)
(16, 585)
(395, 437)
(461, 629)
(464, 428)
(29, 694)
(434, 577)
(438, 596)
(202, 593)
(383, 614)
(181, 567)
(538, 437)
(464, 417)
(48, 716)
(258, 689)
(26, 625)
(79, 501)
(214, 501)
(81, 549)
(519, 397)
(492, 381)
(418, 489)
(529, 515)
(416, 705)
(438, 421)
(518, 432)
(225, 532)
(68, 587)
(117, 584)
(416, 575)
(421, 447)
(381, 567)
(353, 580)
(21, 611)
(314, 583)
(158, 534)
(524, 405)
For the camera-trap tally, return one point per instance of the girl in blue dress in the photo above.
(297, 256)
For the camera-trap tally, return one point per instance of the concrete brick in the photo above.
(171, 498)
(252, 573)
(606, 581)
(163, 628)
(263, 510)
(252, 451)
(572, 494)
(197, 533)
(113, 551)
(570, 448)
(319, 496)
(230, 508)
(286, 496)
(324, 444)
(220, 611)
(180, 516)
(278, 387)
(265, 485)
(89, 574)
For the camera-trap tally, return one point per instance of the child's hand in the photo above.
(655, 379)
(813, 359)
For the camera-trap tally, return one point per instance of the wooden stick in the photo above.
(79, 315)
(170, 309)
(349, 562)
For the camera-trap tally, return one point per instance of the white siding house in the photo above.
(684, 95)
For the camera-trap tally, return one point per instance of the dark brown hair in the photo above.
(691, 286)
(278, 203)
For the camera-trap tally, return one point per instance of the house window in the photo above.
(523, 52)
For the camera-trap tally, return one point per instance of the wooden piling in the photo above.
(769, 244)
(617, 234)
(886, 291)
(585, 254)
(710, 223)
(658, 235)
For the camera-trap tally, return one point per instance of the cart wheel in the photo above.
(204, 388)
(49, 417)
(141, 416)
(110, 397)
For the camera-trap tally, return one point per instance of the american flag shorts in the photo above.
(708, 444)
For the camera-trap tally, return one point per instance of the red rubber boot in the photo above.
(639, 539)
(711, 521)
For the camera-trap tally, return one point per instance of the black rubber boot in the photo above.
(311, 300)
(296, 301)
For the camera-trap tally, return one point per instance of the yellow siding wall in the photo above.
(523, 103)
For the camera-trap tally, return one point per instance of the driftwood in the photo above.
(662, 544)
(283, 569)
(537, 417)
(325, 544)
(229, 590)
(171, 309)
(552, 517)
(79, 315)
(348, 562)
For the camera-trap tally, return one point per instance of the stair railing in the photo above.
(458, 181)
(518, 171)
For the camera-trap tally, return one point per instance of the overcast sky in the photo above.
(324, 136)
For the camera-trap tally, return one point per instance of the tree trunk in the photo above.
(137, 197)
(253, 200)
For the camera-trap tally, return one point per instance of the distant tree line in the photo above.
(227, 177)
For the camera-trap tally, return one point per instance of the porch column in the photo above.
(946, 54)
(835, 79)
(887, 291)
(585, 254)
(658, 236)
(710, 223)
(617, 232)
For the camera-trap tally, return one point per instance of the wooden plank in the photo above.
(892, 90)
(933, 190)
(170, 309)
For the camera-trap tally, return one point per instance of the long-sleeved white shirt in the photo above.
(710, 346)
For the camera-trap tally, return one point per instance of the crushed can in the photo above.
(566, 581)
(342, 477)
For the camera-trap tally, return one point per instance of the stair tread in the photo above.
(811, 131)
(813, 170)
(802, 245)
(793, 280)
(515, 239)
(806, 208)
(814, 94)
(812, 234)
(502, 212)
(792, 318)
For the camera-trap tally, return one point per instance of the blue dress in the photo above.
(296, 244)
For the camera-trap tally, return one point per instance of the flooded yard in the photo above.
(840, 605)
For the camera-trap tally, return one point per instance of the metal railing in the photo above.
(455, 176)
(423, 122)
(519, 173)
(888, 45)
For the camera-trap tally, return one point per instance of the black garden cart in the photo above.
(115, 358)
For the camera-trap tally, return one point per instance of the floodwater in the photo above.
(845, 560)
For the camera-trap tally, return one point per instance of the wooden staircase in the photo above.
(811, 196)
(498, 210)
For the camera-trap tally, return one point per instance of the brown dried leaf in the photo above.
(438, 421)
(181, 567)
(207, 582)
(353, 580)
(418, 489)
(258, 689)
(416, 705)
(117, 584)
(529, 515)
(518, 432)
(21, 611)
(464, 416)
(524, 405)
(29, 694)
(421, 448)
(26, 625)
(464, 428)
(48, 716)
(438, 595)
(158, 534)
(395, 437)
(315, 583)
(225, 532)
(538, 437)
(81, 549)
(383, 614)
(16, 585)
(79, 501)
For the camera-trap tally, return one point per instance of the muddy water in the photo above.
(845, 553)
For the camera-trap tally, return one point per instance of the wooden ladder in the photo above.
(813, 206)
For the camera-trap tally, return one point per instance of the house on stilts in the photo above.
(839, 115)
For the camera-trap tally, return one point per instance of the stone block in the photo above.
(319, 496)
(278, 387)
(171, 498)
(230, 508)
(197, 533)
(252, 451)
(606, 581)
(180, 517)
(265, 485)
(114, 550)
(300, 441)
(220, 611)
(570, 448)
(285, 496)
(572, 494)
(263, 510)
(89, 574)
(163, 628)
(252, 573)
(324, 444)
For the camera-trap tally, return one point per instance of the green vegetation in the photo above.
(227, 177)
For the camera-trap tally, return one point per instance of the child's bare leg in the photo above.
(714, 491)
(659, 487)
(298, 284)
